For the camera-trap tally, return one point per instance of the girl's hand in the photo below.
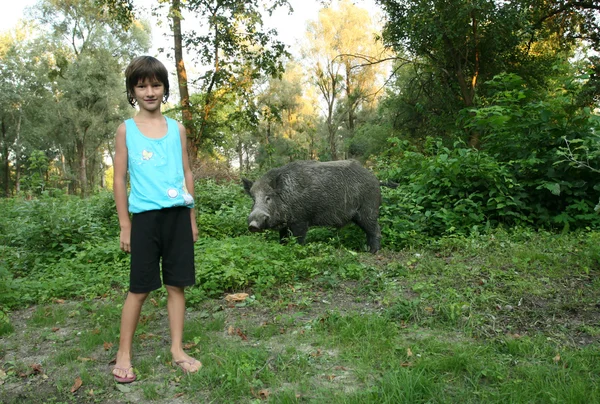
(194, 231)
(125, 239)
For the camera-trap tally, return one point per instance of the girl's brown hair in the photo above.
(142, 68)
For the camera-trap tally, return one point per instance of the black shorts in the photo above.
(166, 234)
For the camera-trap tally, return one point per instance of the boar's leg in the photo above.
(372, 230)
(297, 230)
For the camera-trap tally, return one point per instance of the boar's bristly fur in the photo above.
(302, 194)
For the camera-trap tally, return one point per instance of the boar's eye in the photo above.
(268, 198)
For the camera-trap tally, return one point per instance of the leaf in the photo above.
(78, 383)
(36, 368)
(262, 394)
(237, 297)
(107, 345)
(123, 389)
(553, 187)
(241, 334)
(409, 352)
(556, 359)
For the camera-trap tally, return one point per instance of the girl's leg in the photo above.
(176, 310)
(129, 321)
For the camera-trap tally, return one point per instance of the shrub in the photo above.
(249, 262)
(449, 191)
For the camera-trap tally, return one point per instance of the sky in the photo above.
(291, 28)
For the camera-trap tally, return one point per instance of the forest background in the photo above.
(484, 112)
(485, 115)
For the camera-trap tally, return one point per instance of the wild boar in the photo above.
(302, 194)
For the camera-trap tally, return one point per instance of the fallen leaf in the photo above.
(189, 345)
(107, 345)
(76, 385)
(263, 394)
(340, 368)
(36, 368)
(154, 303)
(123, 389)
(79, 358)
(54, 329)
(330, 377)
(556, 359)
(406, 364)
(241, 334)
(409, 352)
(95, 331)
(178, 395)
(230, 330)
(91, 392)
(59, 301)
(429, 309)
(144, 337)
(236, 297)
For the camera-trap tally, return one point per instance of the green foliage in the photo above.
(58, 226)
(447, 191)
(67, 247)
(245, 261)
(529, 133)
(221, 209)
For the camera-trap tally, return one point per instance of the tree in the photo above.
(230, 35)
(459, 44)
(24, 66)
(288, 119)
(90, 56)
(342, 43)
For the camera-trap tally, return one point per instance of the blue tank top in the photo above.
(155, 169)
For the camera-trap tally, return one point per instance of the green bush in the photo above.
(249, 262)
(448, 191)
(221, 209)
(528, 132)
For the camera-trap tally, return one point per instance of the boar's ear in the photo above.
(247, 185)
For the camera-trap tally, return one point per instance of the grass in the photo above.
(504, 317)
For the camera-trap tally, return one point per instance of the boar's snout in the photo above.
(257, 221)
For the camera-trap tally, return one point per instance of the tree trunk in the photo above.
(349, 99)
(240, 153)
(80, 149)
(5, 164)
(184, 101)
(18, 155)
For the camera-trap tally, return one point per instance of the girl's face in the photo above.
(149, 94)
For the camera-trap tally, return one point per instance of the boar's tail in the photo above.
(389, 184)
